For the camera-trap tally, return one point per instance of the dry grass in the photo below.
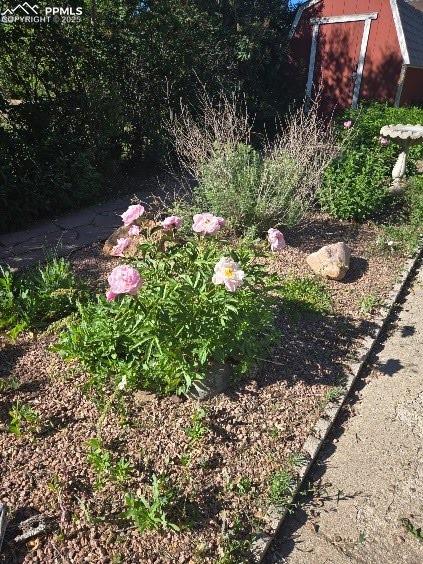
(295, 162)
(274, 187)
(216, 122)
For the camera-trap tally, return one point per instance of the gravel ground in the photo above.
(249, 432)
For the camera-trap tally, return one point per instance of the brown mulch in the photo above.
(250, 430)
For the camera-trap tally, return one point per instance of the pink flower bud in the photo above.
(276, 239)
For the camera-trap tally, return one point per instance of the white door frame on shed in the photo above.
(317, 22)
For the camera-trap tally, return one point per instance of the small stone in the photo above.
(331, 261)
(141, 397)
(175, 399)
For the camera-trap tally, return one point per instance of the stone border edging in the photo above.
(326, 420)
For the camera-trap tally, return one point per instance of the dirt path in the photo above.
(63, 235)
(367, 504)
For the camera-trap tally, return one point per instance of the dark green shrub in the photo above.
(355, 185)
(96, 92)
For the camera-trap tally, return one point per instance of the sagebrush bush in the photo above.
(178, 325)
(229, 182)
(295, 162)
(355, 185)
(38, 297)
(255, 189)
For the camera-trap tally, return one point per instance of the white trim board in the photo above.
(344, 19)
(361, 60)
(312, 60)
(400, 32)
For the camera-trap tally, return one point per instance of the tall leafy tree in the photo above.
(94, 94)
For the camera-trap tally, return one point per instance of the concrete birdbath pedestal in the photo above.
(405, 136)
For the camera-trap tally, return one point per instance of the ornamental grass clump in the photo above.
(253, 189)
(170, 316)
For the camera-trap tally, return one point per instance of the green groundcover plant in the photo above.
(171, 315)
(355, 184)
(405, 233)
(36, 298)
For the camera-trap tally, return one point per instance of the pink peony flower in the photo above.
(207, 223)
(123, 280)
(132, 213)
(383, 141)
(347, 124)
(276, 239)
(110, 296)
(227, 272)
(171, 222)
(120, 247)
(133, 231)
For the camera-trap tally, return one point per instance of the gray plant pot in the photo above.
(217, 380)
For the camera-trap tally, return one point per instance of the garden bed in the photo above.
(223, 460)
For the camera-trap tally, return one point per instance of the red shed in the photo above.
(360, 50)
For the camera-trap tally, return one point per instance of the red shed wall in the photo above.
(412, 91)
(383, 58)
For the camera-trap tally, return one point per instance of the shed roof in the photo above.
(416, 3)
(408, 17)
(411, 16)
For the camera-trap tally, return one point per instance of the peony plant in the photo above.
(168, 318)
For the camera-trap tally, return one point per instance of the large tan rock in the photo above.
(331, 261)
